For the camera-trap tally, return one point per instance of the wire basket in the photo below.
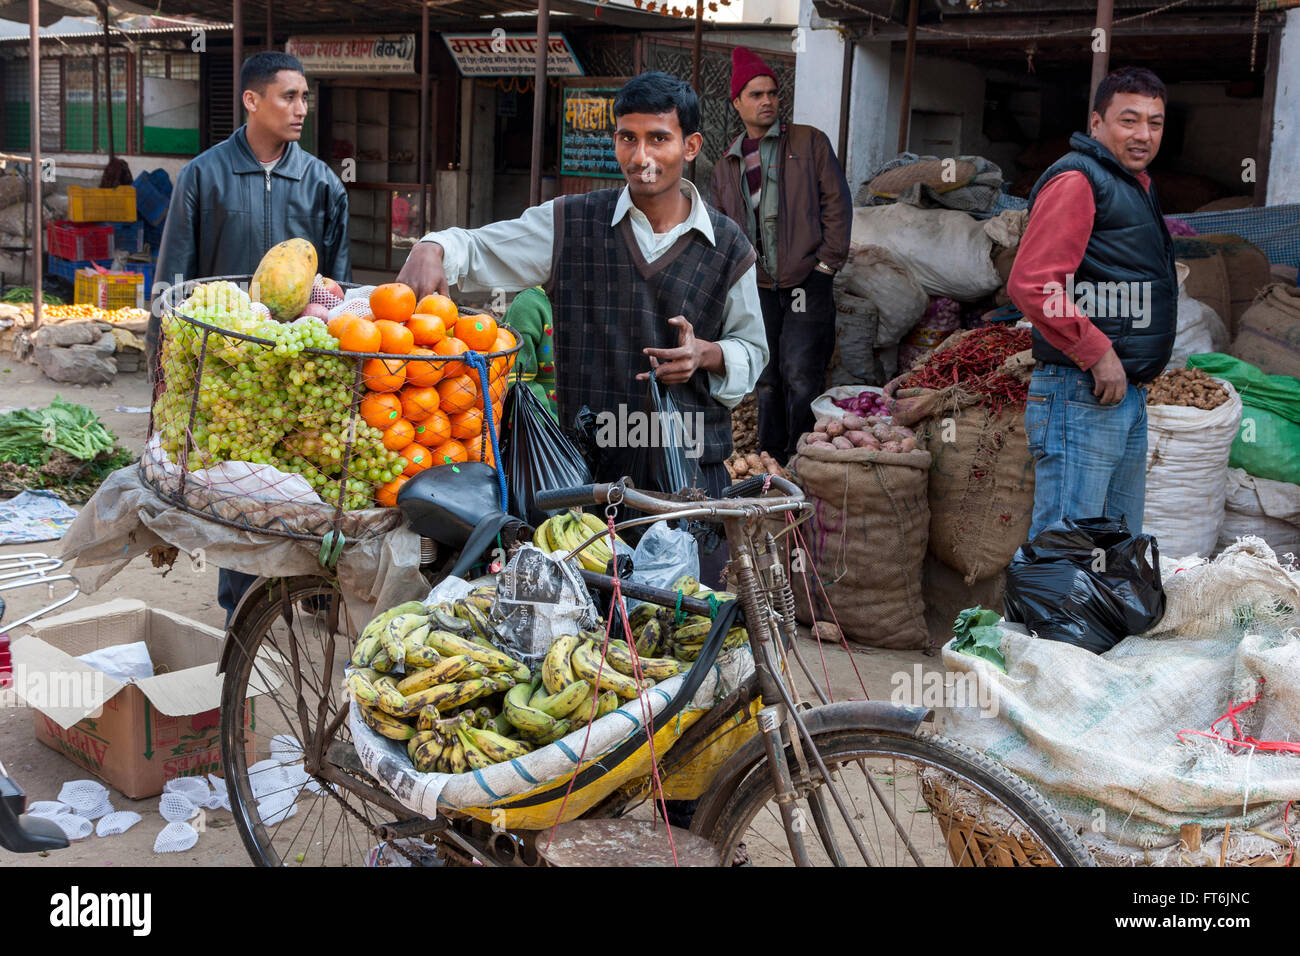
(977, 834)
(267, 427)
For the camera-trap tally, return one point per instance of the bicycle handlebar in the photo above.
(790, 497)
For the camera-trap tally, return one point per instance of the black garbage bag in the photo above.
(668, 459)
(537, 455)
(1086, 582)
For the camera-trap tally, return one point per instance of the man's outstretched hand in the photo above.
(1109, 378)
(423, 270)
(677, 365)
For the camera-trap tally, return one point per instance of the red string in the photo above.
(647, 716)
(799, 543)
(1243, 740)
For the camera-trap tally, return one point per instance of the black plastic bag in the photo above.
(663, 461)
(1087, 582)
(537, 455)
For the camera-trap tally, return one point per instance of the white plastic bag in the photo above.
(122, 662)
(662, 556)
(1187, 465)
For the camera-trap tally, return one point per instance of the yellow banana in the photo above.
(382, 662)
(557, 672)
(362, 690)
(365, 651)
(386, 725)
(660, 668)
(541, 536)
(562, 729)
(449, 645)
(427, 717)
(565, 702)
(421, 736)
(594, 526)
(587, 665)
(426, 756)
(686, 584)
(417, 656)
(446, 670)
(476, 759)
(650, 639)
(496, 747)
(391, 700)
(607, 704)
(380, 622)
(527, 719)
(448, 696)
(456, 762)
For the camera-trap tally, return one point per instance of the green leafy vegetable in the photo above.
(978, 634)
(21, 294)
(27, 435)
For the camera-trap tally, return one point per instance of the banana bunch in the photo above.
(568, 529)
(655, 633)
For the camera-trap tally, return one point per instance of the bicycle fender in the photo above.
(842, 715)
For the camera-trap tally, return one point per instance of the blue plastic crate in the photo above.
(67, 269)
(128, 236)
(153, 238)
(146, 269)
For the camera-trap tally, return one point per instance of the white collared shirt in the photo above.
(516, 254)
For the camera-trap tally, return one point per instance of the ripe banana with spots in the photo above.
(565, 702)
(449, 645)
(364, 653)
(660, 668)
(386, 725)
(496, 747)
(377, 625)
(588, 665)
(557, 672)
(444, 671)
(391, 700)
(527, 719)
(362, 689)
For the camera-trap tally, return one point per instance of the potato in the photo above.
(854, 422)
(839, 441)
(859, 438)
(882, 433)
(835, 429)
(820, 427)
(908, 444)
(893, 447)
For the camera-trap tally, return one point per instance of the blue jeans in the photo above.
(1089, 459)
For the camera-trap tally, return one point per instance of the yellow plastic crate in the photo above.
(101, 205)
(109, 290)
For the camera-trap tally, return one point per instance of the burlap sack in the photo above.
(981, 490)
(1269, 332)
(1248, 273)
(1208, 276)
(865, 543)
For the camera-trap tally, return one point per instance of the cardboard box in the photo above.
(135, 735)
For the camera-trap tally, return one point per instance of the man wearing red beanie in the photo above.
(783, 185)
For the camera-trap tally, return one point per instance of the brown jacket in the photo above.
(815, 213)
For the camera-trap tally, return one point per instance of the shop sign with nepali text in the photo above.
(389, 53)
(509, 54)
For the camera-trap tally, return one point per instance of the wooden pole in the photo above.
(697, 52)
(539, 100)
(909, 62)
(846, 93)
(237, 59)
(1264, 151)
(1100, 58)
(108, 84)
(423, 139)
(38, 272)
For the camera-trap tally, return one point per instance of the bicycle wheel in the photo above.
(918, 800)
(288, 815)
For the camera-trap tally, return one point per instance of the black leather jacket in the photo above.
(227, 211)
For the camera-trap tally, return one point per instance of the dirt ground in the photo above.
(42, 772)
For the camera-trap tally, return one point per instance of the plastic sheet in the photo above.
(1087, 582)
(669, 461)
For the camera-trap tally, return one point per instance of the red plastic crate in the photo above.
(79, 241)
(6, 663)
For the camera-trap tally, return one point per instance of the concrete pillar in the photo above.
(873, 125)
(482, 161)
(819, 57)
(1283, 176)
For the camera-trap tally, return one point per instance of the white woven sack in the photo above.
(947, 252)
(1187, 464)
(1263, 507)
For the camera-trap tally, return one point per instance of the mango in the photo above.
(284, 278)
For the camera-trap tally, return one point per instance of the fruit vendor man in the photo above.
(1094, 275)
(236, 200)
(646, 276)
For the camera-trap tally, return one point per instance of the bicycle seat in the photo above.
(447, 502)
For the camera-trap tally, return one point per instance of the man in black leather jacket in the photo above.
(236, 200)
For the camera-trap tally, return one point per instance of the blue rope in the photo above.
(479, 364)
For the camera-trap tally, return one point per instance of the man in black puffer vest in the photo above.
(1095, 276)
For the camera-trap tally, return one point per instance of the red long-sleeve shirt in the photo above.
(1052, 248)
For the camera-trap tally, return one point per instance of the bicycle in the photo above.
(835, 783)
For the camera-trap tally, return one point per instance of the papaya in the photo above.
(284, 278)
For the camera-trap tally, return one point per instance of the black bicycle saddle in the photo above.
(447, 502)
